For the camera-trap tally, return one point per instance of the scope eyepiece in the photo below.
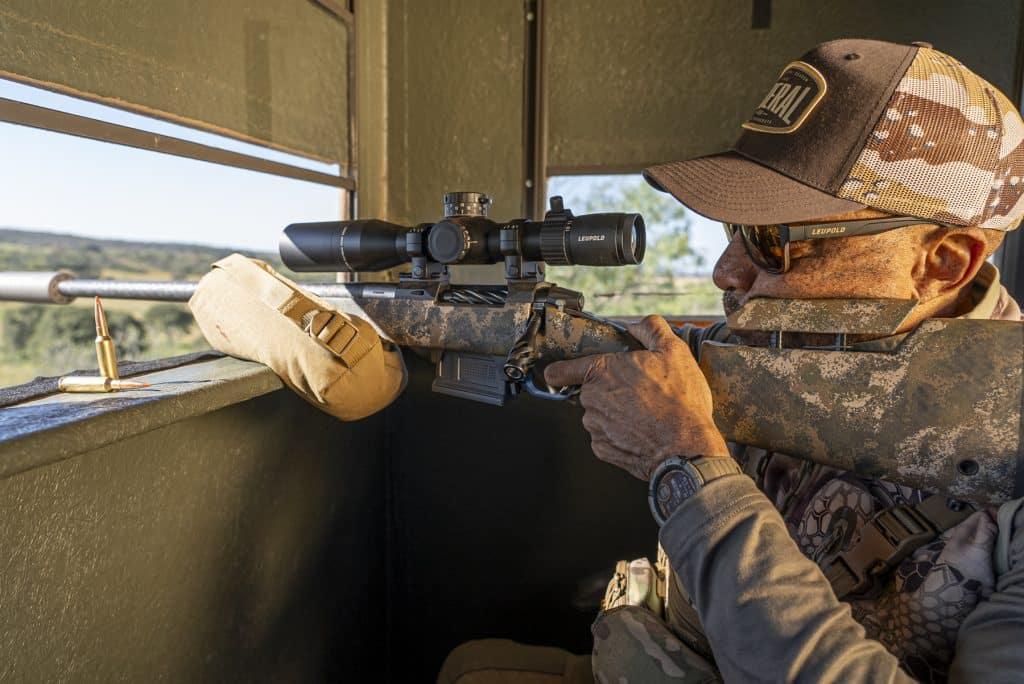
(466, 236)
(594, 240)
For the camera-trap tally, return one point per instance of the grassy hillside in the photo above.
(43, 340)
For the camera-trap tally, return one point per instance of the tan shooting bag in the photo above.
(333, 360)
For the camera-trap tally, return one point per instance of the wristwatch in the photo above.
(678, 478)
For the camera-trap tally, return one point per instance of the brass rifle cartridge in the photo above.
(89, 383)
(106, 355)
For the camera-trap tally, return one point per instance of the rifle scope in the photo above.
(466, 236)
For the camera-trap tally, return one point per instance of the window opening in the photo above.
(105, 210)
(682, 248)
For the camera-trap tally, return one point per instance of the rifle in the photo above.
(940, 412)
(485, 339)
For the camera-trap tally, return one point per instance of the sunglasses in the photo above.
(768, 246)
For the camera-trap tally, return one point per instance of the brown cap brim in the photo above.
(730, 188)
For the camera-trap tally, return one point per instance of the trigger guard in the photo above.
(561, 394)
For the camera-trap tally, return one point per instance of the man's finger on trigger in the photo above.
(569, 373)
(653, 332)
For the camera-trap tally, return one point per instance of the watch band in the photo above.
(678, 479)
(714, 467)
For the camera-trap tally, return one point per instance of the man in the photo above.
(855, 130)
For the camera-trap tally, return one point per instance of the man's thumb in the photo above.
(654, 333)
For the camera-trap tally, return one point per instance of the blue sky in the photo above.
(61, 183)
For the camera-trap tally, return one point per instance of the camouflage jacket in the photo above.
(911, 627)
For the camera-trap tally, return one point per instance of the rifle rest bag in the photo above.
(333, 360)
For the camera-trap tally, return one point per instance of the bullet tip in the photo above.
(129, 384)
(101, 318)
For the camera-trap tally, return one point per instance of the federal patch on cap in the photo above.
(790, 101)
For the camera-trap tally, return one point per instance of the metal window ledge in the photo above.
(57, 427)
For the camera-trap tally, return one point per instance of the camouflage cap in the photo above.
(862, 123)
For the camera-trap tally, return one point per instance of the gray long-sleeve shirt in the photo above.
(769, 614)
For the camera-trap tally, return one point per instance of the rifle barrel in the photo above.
(166, 291)
(61, 287)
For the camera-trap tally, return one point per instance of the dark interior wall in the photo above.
(269, 542)
(500, 518)
(242, 545)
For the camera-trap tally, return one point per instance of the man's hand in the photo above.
(642, 407)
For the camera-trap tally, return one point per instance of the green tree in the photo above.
(63, 338)
(169, 320)
(19, 325)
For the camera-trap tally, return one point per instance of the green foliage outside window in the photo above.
(656, 285)
(46, 340)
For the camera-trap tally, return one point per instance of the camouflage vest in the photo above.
(926, 599)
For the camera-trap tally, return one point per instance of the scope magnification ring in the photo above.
(553, 236)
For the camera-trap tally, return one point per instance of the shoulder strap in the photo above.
(887, 539)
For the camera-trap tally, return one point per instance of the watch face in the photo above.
(674, 487)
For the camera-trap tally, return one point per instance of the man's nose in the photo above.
(734, 270)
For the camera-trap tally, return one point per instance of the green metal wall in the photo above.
(240, 545)
(450, 115)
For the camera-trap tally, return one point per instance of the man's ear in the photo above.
(950, 261)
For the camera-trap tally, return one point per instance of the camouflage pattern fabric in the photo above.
(949, 147)
(920, 609)
(631, 645)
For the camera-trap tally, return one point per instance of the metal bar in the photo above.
(1010, 257)
(534, 112)
(599, 169)
(22, 114)
(353, 132)
(173, 290)
(529, 108)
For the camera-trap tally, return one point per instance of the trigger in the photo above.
(561, 394)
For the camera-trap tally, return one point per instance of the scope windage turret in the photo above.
(466, 236)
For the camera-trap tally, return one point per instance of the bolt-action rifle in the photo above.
(941, 410)
(486, 339)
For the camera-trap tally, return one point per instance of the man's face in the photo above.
(862, 267)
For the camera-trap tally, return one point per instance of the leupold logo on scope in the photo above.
(790, 101)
